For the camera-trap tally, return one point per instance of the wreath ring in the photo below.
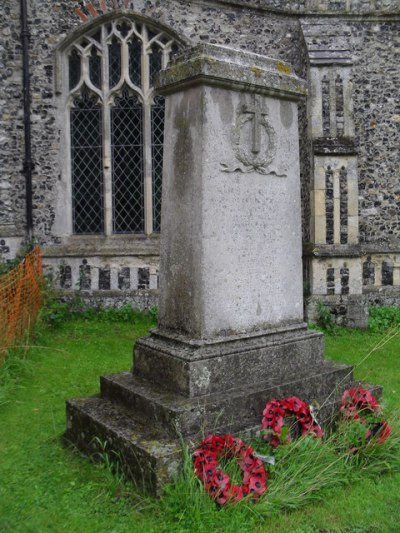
(216, 482)
(359, 404)
(273, 419)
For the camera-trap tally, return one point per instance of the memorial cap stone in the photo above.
(234, 69)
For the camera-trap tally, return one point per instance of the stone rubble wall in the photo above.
(328, 7)
(377, 120)
(12, 183)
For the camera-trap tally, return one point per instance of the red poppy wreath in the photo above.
(359, 404)
(277, 410)
(216, 482)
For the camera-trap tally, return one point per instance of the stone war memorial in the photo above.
(231, 333)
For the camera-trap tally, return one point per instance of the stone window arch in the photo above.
(113, 126)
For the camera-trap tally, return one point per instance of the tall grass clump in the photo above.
(304, 471)
(15, 370)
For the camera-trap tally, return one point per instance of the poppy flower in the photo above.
(256, 486)
(213, 443)
(274, 441)
(384, 433)
(205, 472)
(236, 493)
(316, 430)
(258, 471)
(220, 479)
(223, 496)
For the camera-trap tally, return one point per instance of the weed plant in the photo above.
(57, 311)
(14, 372)
(326, 320)
(382, 318)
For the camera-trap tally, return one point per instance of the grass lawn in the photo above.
(45, 487)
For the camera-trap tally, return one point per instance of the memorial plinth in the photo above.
(230, 334)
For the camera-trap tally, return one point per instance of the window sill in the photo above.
(106, 246)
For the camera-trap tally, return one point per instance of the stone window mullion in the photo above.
(148, 185)
(336, 207)
(332, 101)
(124, 60)
(108, 222)
(107, 165)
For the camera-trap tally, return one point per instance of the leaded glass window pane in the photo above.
(123, 28)
(135, 62)
(74, 64)
(110, 129)
(155, 63)
(127, 157)
(157, 144)
(114, 54)
(95, 68)
(86, 162)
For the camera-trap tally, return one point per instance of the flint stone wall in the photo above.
(268, 27)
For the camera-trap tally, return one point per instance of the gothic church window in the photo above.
(116, 125)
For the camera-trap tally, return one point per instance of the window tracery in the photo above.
(116, 127)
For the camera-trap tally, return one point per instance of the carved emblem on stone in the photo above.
(255, 152)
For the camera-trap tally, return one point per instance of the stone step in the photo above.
(148, 457)
(96, 426)
(177, 415)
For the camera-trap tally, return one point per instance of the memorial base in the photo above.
(183, 390)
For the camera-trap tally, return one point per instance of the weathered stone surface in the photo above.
(138, 299)
(197, 369)
(227, 410)
(230, 248)
(98, 426)
(208, 64)
(341, 146)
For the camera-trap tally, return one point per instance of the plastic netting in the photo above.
(20, 300)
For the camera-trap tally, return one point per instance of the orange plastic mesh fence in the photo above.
(20, 300)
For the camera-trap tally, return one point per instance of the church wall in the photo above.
(269, 27)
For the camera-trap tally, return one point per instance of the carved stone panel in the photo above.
(253, 139)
